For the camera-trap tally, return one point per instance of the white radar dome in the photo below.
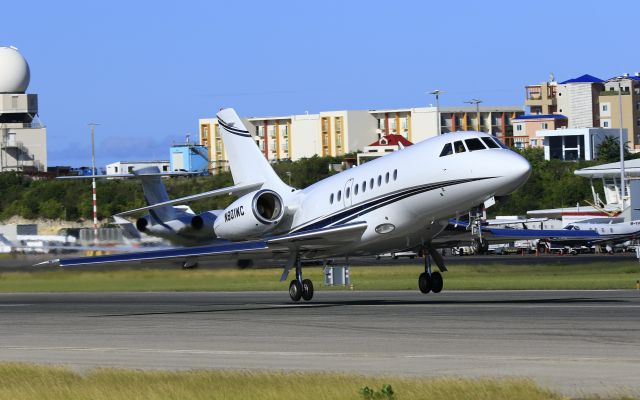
(14, 71)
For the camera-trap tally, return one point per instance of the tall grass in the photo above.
(27, 382)
(460, 277)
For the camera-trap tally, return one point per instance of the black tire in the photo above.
(424, 283)
(437, 283)
(295, 290)
(307, 289)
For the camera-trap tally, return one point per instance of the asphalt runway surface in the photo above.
(578, 342)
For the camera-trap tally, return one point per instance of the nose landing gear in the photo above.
(429, 281)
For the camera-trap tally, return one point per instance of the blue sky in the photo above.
(146, 71)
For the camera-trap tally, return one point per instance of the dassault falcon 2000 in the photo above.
(399, 201)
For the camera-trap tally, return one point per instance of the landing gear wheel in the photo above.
(424, 283)
(307, 290)
(436, 282)
(295, 290)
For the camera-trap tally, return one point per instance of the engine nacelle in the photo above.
(250, 216)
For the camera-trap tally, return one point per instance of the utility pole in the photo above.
(93, 184)
(622, 144)
(477, 103)
(437, 94)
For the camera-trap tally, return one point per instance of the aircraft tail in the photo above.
(154, 193)
(248, 165)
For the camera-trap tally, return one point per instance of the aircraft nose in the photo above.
(516, 172)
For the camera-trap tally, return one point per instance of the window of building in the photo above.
(638, 122)
(331, 199)
(446, 150)
(490, 143)
(534, 142)
(605, 123)
(386, 178)
(130, 169)
(395, 174)
(459, 146)
(605, 107)
(379, 180)
(474, 144)
(165, 168)
(115, 169)
(544, 125)
(518, 127)
(339, 195)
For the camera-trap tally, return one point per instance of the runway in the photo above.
(574, 341)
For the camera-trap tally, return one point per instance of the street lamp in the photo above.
(437, 93)
(477, 103)
(622, 184)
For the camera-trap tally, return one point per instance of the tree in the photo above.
(609, 150)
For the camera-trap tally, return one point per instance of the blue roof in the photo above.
(586, 78)
(541, 116)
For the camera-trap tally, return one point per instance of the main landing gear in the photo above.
(430, 281)
(299, 288)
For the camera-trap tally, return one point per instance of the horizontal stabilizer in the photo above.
(238, 189)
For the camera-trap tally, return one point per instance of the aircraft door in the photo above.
(348, 193)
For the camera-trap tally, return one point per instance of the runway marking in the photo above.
(319, 354)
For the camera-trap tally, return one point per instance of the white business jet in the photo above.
(398, 201)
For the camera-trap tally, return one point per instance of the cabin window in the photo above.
(490, 143)
(386, 178)
(371, 184)
(395, 174)
(379, 180)
(459, 146)
(474, 144)
(331, 199)
(355, 190)
(347, 192)
(364, 186)
(446, 150)
(339, 195)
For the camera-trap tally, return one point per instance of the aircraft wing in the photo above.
(458, 232)
(507, 234)
(273, 247)
(237, 189)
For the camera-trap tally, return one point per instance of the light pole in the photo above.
(477, 103)
(437, 93)
(622, 184)
(93, 184)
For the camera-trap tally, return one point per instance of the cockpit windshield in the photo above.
(471, 144)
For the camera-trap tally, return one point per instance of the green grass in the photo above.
(460, 277)
(26, 382)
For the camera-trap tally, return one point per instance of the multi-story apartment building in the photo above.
(577, 99)
(629, 88)
(526, 126)
(336, 133)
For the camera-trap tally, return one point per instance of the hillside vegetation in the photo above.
(552, 184)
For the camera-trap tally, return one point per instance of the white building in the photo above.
(127, 167)
(575, 144)
(23, 140)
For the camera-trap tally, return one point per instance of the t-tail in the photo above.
(154, 193)
(247, 163)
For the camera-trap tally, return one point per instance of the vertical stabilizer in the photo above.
(154, 193)
(246, 162)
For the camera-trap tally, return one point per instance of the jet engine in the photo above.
(252, 215)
